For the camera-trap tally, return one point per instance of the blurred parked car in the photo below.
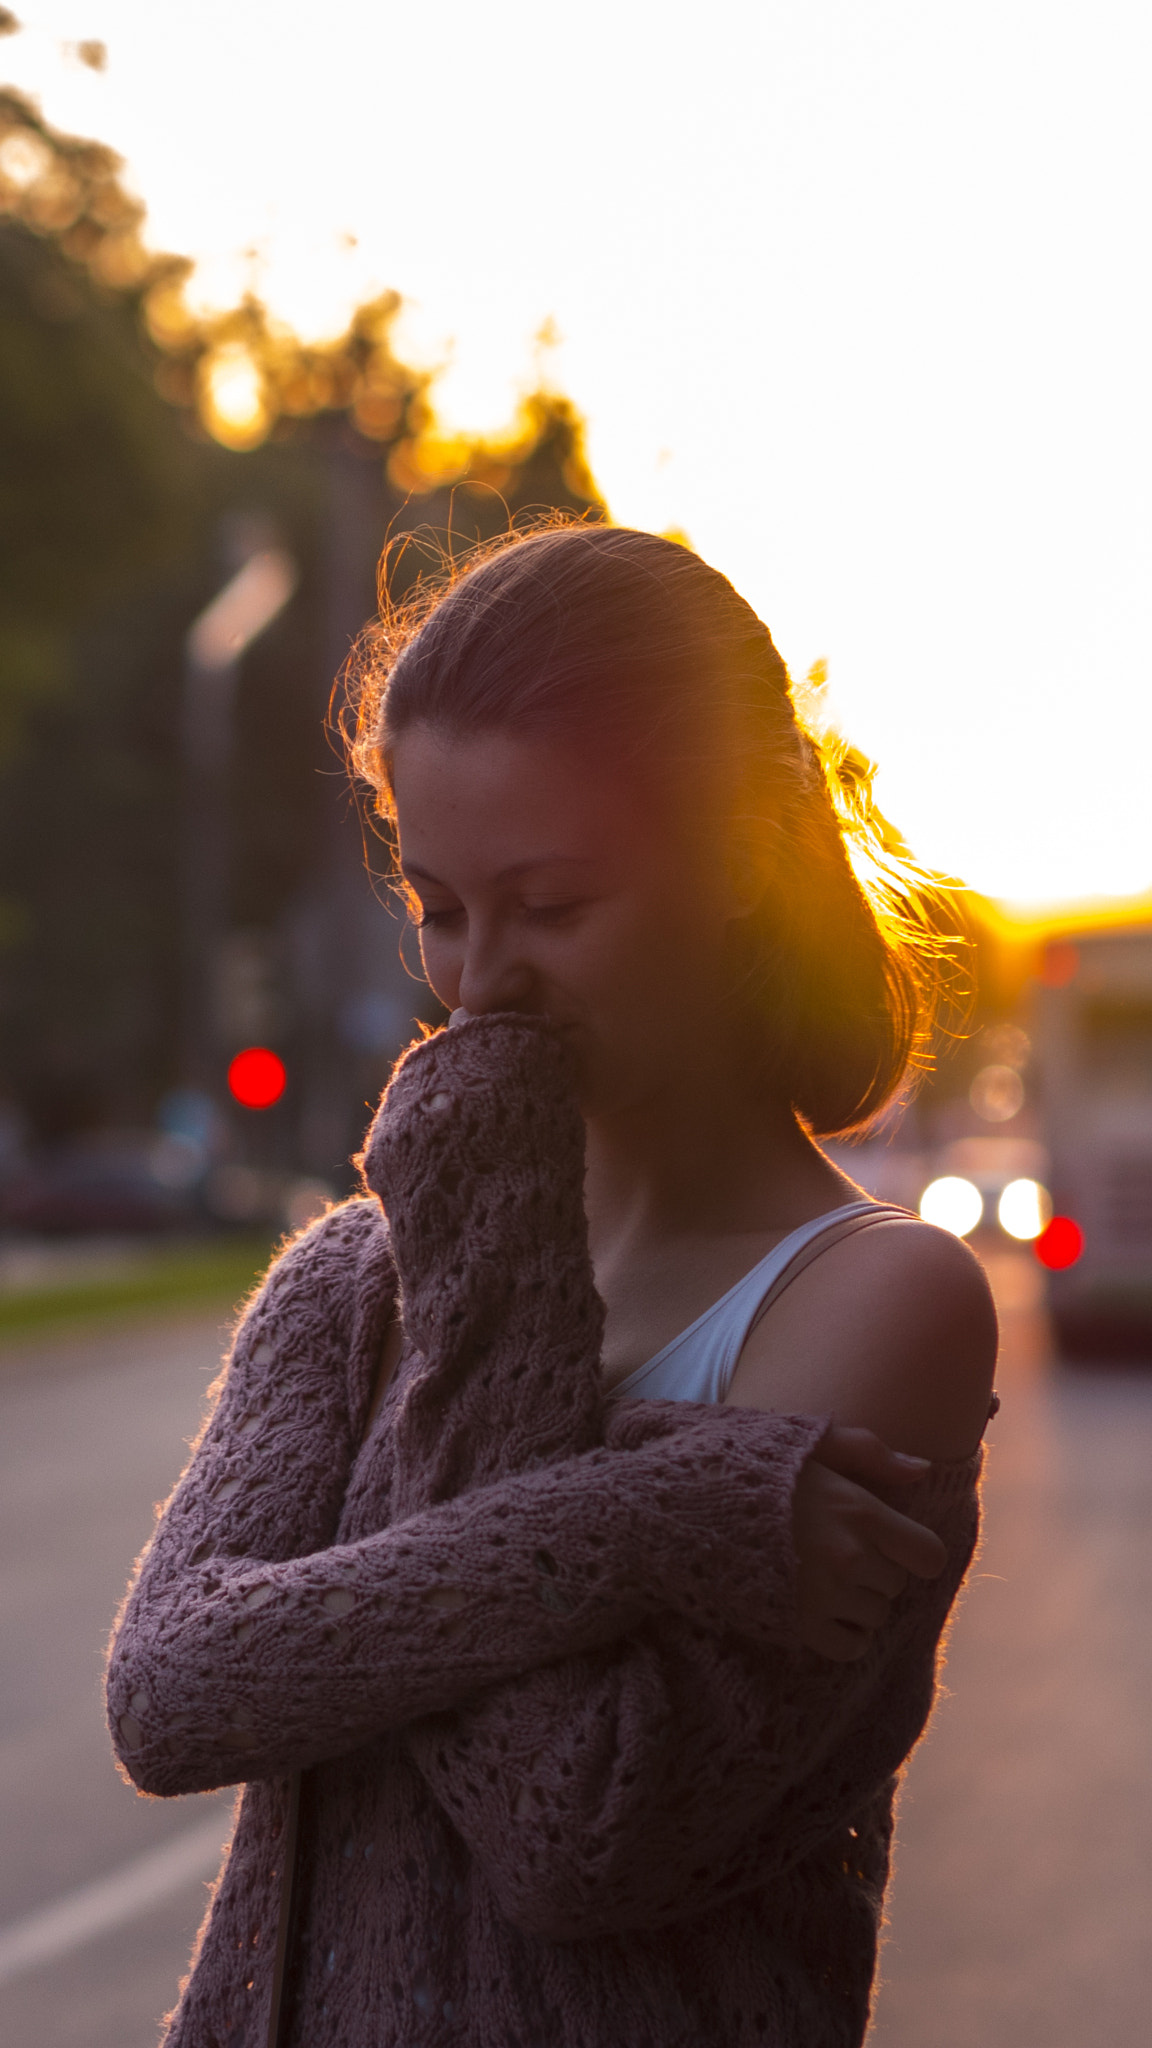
(108, 1182)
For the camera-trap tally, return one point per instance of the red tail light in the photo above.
(1060, 1244)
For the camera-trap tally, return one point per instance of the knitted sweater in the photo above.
(571, 1776)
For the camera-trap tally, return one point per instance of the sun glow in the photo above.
(233, 397)
(848, 295)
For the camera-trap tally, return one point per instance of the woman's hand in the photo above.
(855, 1554)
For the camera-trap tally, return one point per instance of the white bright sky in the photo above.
(857, 295)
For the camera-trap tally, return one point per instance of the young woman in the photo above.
(570, 1550)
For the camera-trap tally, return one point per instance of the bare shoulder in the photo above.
(892, 1329)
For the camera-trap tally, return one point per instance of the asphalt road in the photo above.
(1021, 1914)
(1021, 1908)
(91, 1435)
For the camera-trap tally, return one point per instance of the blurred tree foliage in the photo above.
(139, 443)
(90, 503)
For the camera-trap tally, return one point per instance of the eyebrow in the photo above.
(518, 868)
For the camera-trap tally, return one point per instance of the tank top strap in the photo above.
(839, 1224)
(699, 1363)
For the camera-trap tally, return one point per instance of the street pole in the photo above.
(214, 646)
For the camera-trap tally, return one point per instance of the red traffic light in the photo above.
(1060, 1244)
(257, 1078)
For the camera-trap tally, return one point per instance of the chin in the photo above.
(596, 1087)
(606, 1088)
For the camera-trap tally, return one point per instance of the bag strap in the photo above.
(847, 1226)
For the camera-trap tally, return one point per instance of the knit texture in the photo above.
(572, 1779)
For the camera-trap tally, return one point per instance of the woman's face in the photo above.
(549, 882)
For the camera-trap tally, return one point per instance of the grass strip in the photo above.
(211, 1270)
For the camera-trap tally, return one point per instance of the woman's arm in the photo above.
(626, 1788)
(252, 1644)
(231, 1664)
(677, 1769)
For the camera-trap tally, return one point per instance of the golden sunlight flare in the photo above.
(233, 405)
(839, 378)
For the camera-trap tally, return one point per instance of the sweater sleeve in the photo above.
(666, 1773)
(688, 1756)
(254, 1643)
(693, 1754)
(231, 1665)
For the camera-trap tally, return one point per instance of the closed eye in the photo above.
(533, 913)
(433, 917)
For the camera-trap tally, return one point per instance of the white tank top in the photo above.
(698, 1364)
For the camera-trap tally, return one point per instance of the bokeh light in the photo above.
(232, 398)
(23, 159)
(257, 1077)
(1060, 1245)
(1024, 1209)
(997, 1094)
(952, 1203)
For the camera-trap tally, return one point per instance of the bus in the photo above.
(1093, 1039)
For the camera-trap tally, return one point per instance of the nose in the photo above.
(492, 978)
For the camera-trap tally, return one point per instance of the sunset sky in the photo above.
(857, 296)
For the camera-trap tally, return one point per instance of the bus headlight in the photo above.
(1024, 1209)
(954, 1204)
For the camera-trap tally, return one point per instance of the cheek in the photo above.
(643, 985)
(669, 949)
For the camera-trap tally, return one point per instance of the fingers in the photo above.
(838, 1518)
(844, 1622)
(836, 1640)
(855, 1555)
(862, 1608)
(859, 1454)
(846, 1603)
(880, 1575)
(907, 1543)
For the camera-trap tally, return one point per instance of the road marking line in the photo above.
(109, 1901)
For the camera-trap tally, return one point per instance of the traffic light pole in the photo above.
(213, 650)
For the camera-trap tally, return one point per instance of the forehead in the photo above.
(494, 800)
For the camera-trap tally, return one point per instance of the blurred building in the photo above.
(145, 458)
